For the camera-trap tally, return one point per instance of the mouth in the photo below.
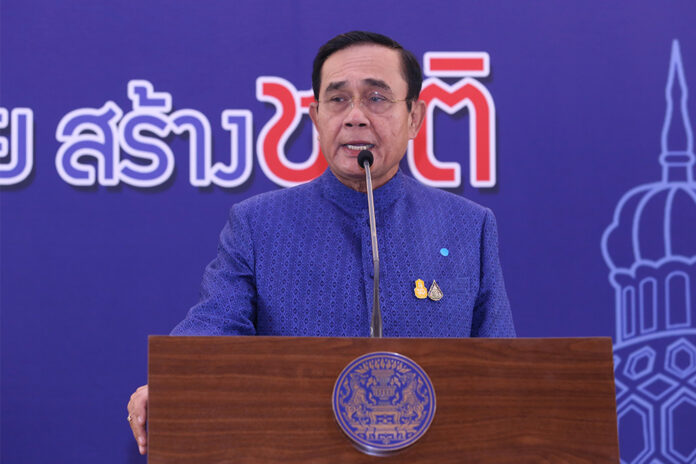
(358, 146)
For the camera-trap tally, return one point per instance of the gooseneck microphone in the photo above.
(365, 160)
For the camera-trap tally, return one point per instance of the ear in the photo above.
(416, 118)
(313, 110)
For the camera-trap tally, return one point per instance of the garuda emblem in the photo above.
(384, 402)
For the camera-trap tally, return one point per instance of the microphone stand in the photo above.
(366, 159)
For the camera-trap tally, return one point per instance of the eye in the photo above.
(338, 99)
(377, 98)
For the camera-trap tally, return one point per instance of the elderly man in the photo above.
(298, 261)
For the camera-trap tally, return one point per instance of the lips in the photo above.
(359, 146)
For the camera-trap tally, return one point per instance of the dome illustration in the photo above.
(650, 249)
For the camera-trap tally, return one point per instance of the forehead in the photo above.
(358, 65)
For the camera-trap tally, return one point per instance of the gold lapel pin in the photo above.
(420, 290)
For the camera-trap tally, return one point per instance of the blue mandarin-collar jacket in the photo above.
(298, 262)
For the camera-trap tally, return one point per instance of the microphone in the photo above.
(365, 155)
(365, 160)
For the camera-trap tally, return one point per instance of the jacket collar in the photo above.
(353, 201)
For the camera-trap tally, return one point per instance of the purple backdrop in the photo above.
(90, 269)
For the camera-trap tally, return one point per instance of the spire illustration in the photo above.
(649, 246)
(650, 249)
(677, 142)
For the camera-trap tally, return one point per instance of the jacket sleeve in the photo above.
(492, 315)
(227, 304)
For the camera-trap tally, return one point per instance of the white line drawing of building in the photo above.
(650, 248)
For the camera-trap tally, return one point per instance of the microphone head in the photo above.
(365, 155)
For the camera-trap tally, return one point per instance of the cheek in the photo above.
(398, 132)
(325, 133)
(389, 130)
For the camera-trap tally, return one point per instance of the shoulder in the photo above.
(283, 199)
(446, 202)
(280, 197)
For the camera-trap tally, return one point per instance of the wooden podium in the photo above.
(268, 399)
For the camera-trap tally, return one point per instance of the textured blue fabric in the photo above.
(298, 262)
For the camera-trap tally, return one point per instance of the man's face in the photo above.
(358, 72)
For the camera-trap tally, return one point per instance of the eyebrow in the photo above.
(377, 83)
(380, 84)
(335, 86)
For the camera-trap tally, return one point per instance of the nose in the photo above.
(356, 117)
